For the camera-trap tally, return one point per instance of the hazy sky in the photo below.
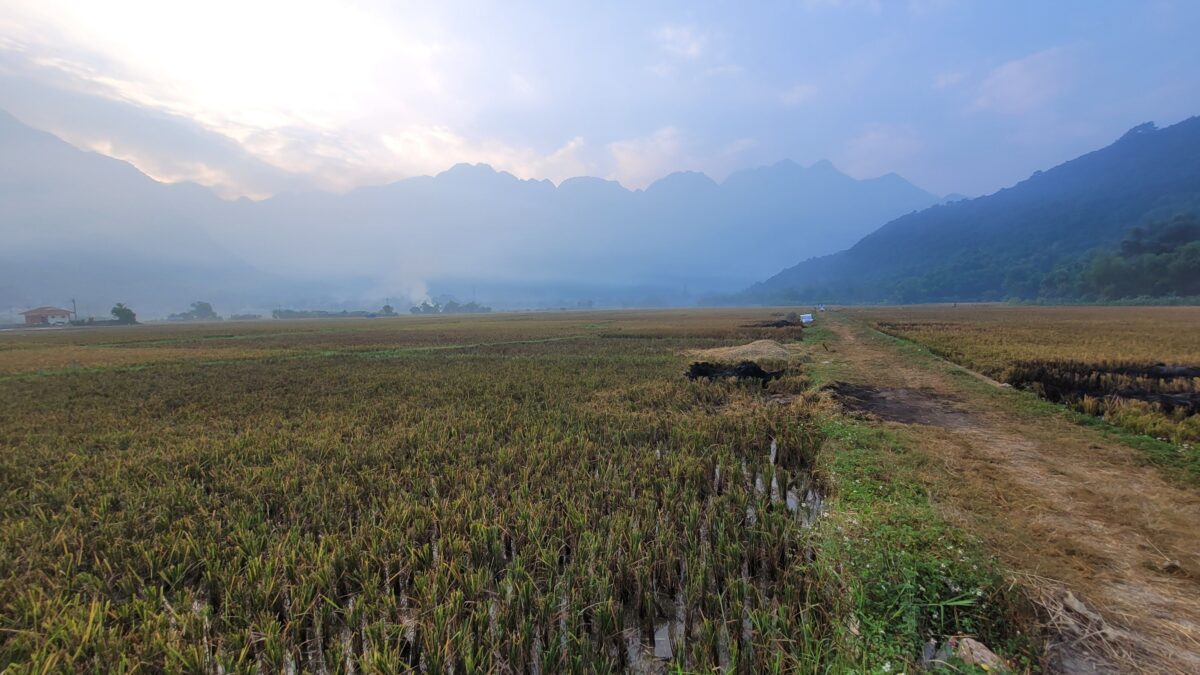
(262, 96)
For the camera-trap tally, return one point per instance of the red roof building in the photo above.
(44, 316)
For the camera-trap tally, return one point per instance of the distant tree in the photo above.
(1156, 260)
(1162, 237)
(315, 314)
(200, 311)
(203, 310)
(387, 310)
(475, 308)
(123, 314)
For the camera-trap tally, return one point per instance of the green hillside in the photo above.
(1028, 241)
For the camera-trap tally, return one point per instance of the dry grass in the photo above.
(990, 337)
(73, 357)
(486, 494)
(1065, 507)
(759, 350)
(994, 339)
(501, 493)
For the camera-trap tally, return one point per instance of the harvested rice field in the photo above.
(504, 493)
(1138, 367)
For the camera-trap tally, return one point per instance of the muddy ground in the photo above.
(899, 404)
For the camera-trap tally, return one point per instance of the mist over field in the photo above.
(466, 230)
(342, 156)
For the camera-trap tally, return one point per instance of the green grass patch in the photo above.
(908, 576)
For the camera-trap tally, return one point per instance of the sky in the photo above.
(257, 98)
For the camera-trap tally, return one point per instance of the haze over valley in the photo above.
(522, 242)
(708, 153)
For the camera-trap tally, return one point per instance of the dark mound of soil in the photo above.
(746, 370)
(778, 323)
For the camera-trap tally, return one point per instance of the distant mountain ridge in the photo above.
(1000, 245)
(684, 220)
(470, 225)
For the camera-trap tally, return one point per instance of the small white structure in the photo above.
(46, 316)
(806, 319)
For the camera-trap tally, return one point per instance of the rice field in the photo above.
(1096, 350)
(507, 493)
(443, 495)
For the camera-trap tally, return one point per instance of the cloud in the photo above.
(681, 41)
(928, 6)
(166, 146)
(428, 150)
(873, 6)
(879, 148)
(662, 69)
(876, 6)
(276, 113)
(738, 146)
(1024, 85)
(637, 162)
(947, 79)
(798, 95)
(725, 69)
(95, 103)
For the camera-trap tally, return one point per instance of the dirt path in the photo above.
(1074, 515)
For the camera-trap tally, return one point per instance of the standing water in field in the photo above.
(650, 651)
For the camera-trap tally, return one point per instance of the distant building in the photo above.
(46, 316)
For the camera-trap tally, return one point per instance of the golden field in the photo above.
(992, 339)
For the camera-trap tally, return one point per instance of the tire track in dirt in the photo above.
(1078, 519)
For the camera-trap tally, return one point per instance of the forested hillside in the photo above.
(1029, 241)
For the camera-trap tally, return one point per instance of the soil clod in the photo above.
(746, 370)
(777, 323)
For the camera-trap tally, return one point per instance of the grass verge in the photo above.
(907, 576)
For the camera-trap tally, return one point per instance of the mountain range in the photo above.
(1002, 245)
(79, 223)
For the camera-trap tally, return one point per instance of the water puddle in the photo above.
(653, 652)
(793, 490)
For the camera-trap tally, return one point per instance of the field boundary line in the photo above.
(310, 354)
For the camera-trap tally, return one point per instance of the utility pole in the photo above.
(74, 314)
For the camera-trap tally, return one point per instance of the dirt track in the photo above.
(1075, 516)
